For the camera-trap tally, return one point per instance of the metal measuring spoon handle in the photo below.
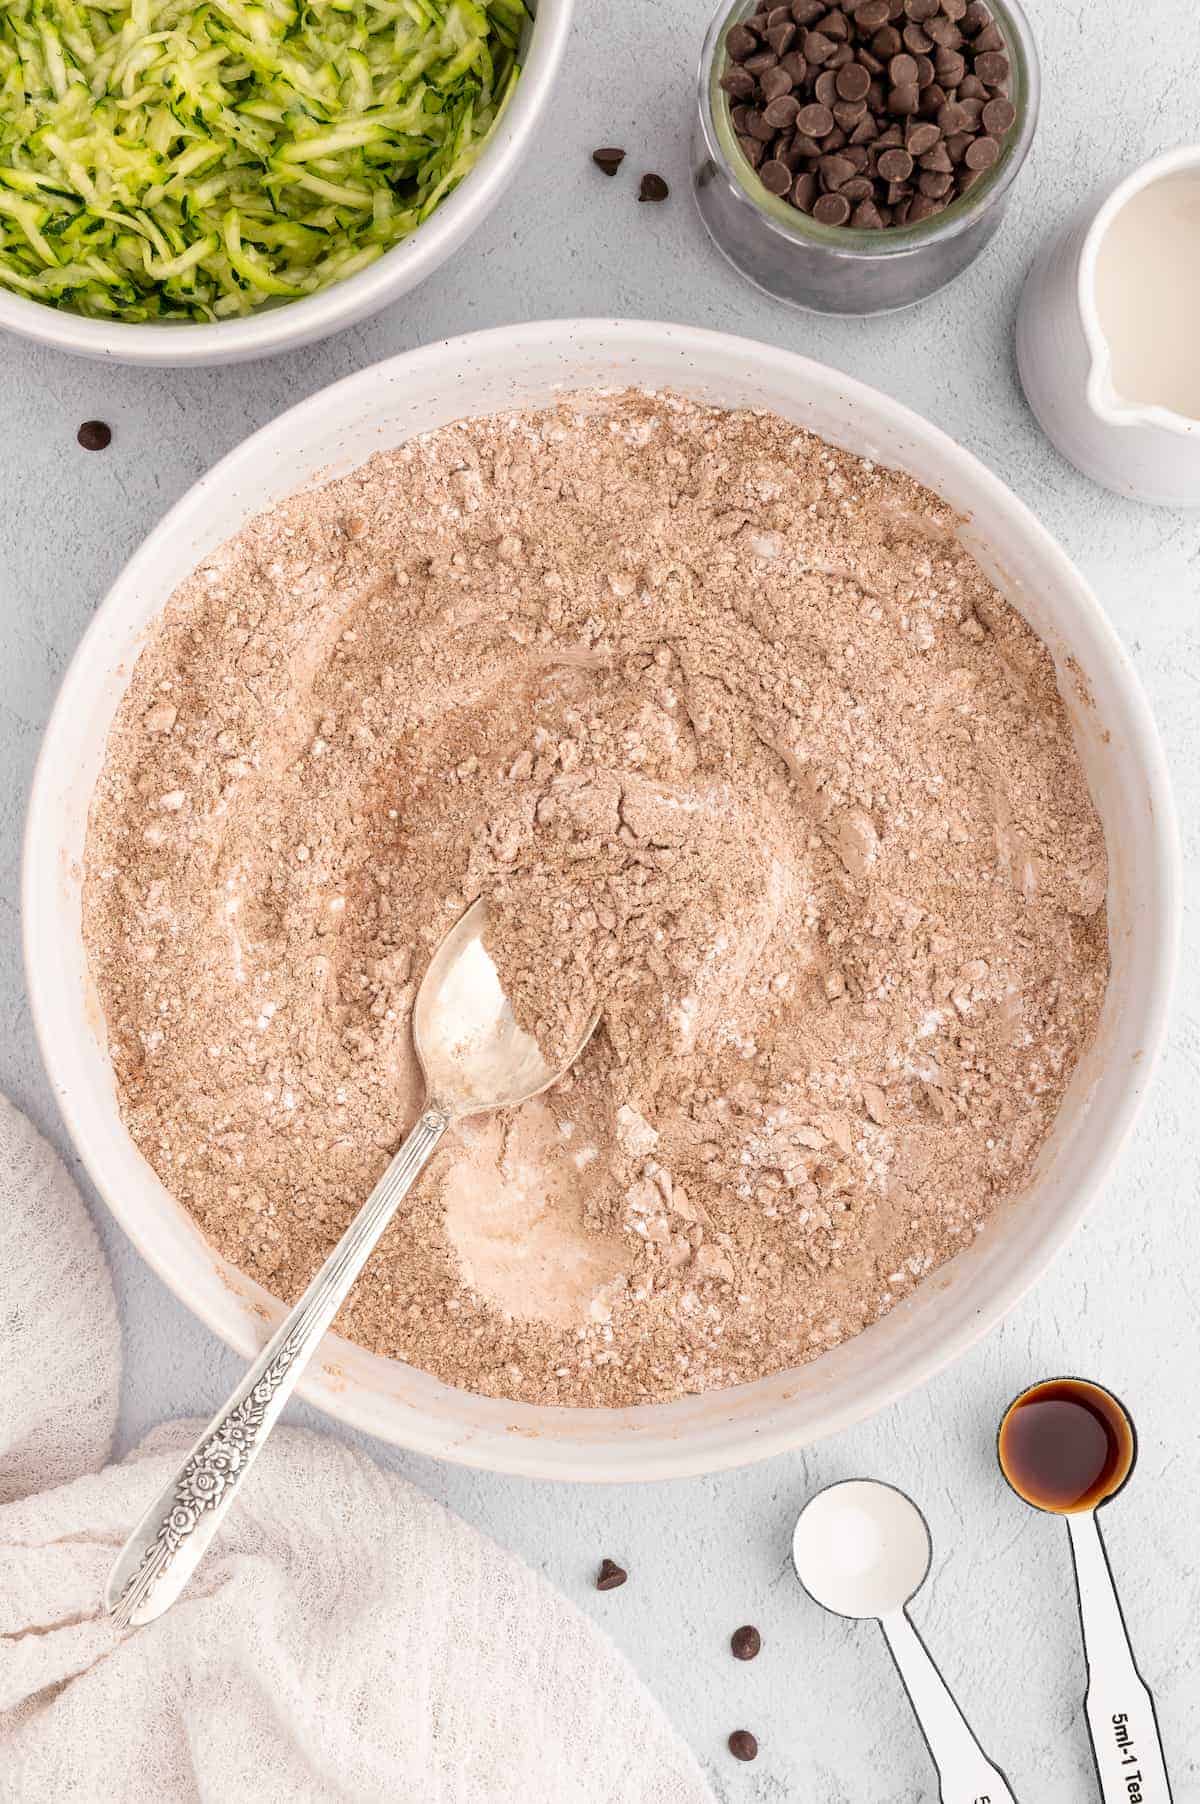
(1120, 1709)
(966, 1774)
(169, 1542)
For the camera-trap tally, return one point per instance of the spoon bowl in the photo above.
(473, 1054)
(861, 1549)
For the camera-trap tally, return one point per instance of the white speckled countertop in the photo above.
(706, 1555)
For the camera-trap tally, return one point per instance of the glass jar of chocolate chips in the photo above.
(854, 159)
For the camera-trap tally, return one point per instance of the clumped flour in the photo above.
(745, 752)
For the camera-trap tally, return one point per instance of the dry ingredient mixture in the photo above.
(745, 751)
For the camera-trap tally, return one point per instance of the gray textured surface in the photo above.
(707, 1555)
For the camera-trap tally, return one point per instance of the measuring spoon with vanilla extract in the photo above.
(1067, 1447)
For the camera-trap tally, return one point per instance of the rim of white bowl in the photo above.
(273, 330)
(522, 1453)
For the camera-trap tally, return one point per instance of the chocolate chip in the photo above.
(950, 67)
(737, 82)
(745, 1643)
(847, 113)
(976, 18)
(858, 188)
(95, 435)
(782, 37)
(758, 128)
(895, 165)
(945, 33)
(982, 153)
(653, 188)
(760, 62)
(853, 82)
(921, 138)
(804, 192)
(998, 117)
(920, 10)
(775, 83)
(815, 120)
(806, 11)
(989, 39)
(917, 40)
(924, 71)
(933, 183)
(743, 1745)
(992, 68)
(610, 160)
(781, 114)
(775, 176)
(740, 44)
(818, 48)
(825, 88)
(835, 170)
(904, 100)
(938, 159)
(835, 25)
(753, 149)
(610, 1576)
(871, 16)
(832, 210)
(887, 42)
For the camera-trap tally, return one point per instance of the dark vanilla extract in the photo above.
(1066, 1445)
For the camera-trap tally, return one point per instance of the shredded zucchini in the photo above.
(163, 159)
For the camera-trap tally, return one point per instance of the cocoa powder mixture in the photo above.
(746, 753)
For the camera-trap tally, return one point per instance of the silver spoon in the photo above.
(862, 1549)
(474, 1058)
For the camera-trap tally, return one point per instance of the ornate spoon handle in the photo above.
(171, 1539)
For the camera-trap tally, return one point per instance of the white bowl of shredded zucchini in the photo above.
(205, 181)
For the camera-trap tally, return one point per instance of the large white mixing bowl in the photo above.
(528, 366)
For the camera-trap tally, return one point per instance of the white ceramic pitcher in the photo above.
(1144, 452)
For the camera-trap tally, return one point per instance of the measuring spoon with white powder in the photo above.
(862, 1549)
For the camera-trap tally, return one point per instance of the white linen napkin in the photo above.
(345, 1638)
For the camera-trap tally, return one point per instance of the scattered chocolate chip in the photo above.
(610, 160)
(743, 1745)
(94, 435)
(610, 1576)
(653, 188)
(745, 1643)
